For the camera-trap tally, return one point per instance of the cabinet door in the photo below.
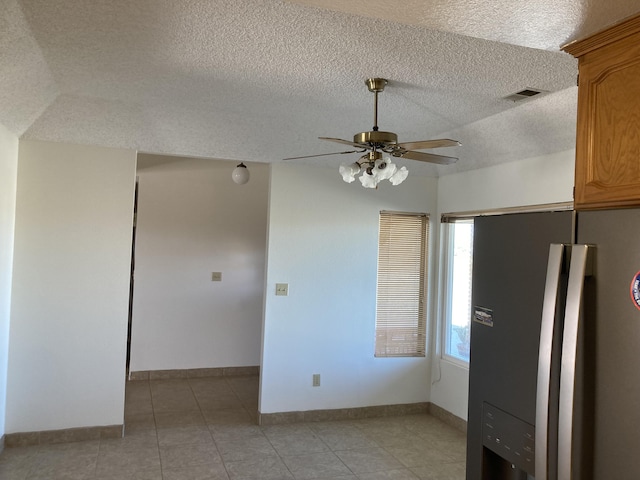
(608, 135)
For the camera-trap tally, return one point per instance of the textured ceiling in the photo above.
(260, 80)
(544, 24)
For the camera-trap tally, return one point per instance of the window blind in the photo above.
(402, 267)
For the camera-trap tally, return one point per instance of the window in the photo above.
(458, 255)
(402, 266)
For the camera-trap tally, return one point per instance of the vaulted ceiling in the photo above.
(260, 80)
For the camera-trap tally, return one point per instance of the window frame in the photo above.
(446, 286)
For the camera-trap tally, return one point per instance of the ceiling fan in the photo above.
(377, 143)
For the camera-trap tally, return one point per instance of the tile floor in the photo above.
(204, 429)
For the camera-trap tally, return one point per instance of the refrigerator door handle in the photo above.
(577, 271)
(552, 285)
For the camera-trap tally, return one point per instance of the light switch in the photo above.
(216, 276)
(282, 289)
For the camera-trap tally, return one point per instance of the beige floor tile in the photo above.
(237, 449)
(69, 465)
(14, 471)
(127, 461)
(71, 460)
(144, 474)
(138, 422)
(346, 438)
(175, 402)
(217, 387)
(214, 402)
(180, 456)
(391, 435)
(196, 472)
(455, 450)
(195, 434)
(298, 444)
(212, 384)
(249, 403)
(316, 465)
(137, 391)
(133, 439)
(179, 419)
(334, 426)
(231, 432)
(139, 407)
(403, 474)
(169, 384)
(269, 468)
(236, 416)
(369, 460)
(16, 455)
(272, 431)
(205, 429)
(451, 471)
(419, 454)
(337, 477)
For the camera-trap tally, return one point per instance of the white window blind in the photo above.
(402, 277)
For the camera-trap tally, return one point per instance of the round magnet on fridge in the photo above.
(635, 290)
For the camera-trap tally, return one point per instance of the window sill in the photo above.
(455, 361)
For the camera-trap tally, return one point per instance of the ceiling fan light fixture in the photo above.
(349, 171)
(373, 168)
(368, 180)
(385, 169)
(399, 176)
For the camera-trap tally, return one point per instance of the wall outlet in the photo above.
(216, 276)
(316, 379)
(282, 289)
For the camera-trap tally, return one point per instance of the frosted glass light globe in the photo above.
(240, 174)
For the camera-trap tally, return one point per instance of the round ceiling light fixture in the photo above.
(240, 174)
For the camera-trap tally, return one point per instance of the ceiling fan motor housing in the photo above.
(377, 138)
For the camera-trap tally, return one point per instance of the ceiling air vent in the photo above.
(523, 94)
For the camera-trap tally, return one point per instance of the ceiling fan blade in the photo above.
(423, 144)
(346, 142)
(425, 157)
(324, 154)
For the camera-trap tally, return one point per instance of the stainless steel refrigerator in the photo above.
(554, 386)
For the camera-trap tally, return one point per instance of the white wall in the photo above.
(533, 181)
(194, 220)
(323, 242)
(8, 179)
(70, 286)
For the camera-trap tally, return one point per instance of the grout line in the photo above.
(155, 425)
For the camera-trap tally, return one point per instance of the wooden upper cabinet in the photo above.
(608, 133)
